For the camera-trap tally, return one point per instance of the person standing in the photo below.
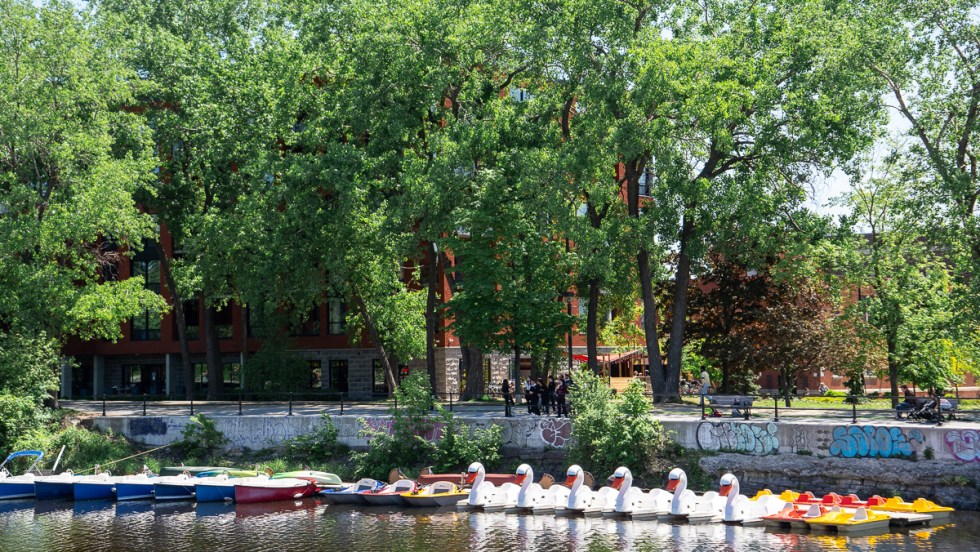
(508, 399)
(553, 394)
(527, 394)
(705, 384)
(560, 394)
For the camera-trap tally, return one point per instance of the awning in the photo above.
(611, 359)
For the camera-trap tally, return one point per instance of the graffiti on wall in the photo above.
(964, 444)
(556, 432)
(873, 442)
(738, 437)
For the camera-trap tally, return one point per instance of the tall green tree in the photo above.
(71, 160)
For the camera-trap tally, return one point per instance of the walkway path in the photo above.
(474, 409)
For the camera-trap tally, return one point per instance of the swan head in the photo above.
(522, 473)
(728, 484)
(674, 479)
(619, 476)
(573, 474)
(473, 471)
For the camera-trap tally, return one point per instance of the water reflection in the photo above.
(309, 525)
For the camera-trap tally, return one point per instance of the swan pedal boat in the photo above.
(689, 507)
(536, 498)
(581, 499)
(351, 494)
(440, 493)
(484, 494)
(861, 521)
(19, 486)
(389, 495)
(742, 510)
(631, 502)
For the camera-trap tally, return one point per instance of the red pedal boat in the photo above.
(273, 490)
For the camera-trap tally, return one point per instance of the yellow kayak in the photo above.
(860, 520)
(440, 493)
(918, 506)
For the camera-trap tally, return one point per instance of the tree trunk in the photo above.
(592, 332)
(786, 386)
(475, 379)
(892, 342)
(678, 320)
(472, 357)
(430, 321)
(657, 381)
(376, 340)
(186, 368)
(212, 353)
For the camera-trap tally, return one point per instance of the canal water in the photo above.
(310, 525)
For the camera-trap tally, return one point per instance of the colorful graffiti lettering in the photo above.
(873, 442)
(738, 437)
(386, 425)
(964, 444)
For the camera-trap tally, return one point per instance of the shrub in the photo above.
(457, 448)
(405, 445)
(608, 433)
(86, 449)
(319, 445)
(201, 438)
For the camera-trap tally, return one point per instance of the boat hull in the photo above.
(434, 501)
(214, 493)
(50, 490)
(134, 491)
(102, 490)
(172, 491)
(385, 500)
(252, 494)
(16, 489)
(344, 498)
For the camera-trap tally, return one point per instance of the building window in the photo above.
(311, 324)
(646, 182)
(201, 374)
(146, 325)
(336, 311)
(132, 377)
(222, 322)
(520, 94)
(316, 374)
(254, 321)
(233, 374)
(192, 321)
(338, 375)
(380, 385)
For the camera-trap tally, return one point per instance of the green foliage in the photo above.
(275, 368)
(316, 446)
(609, 432)
(404, 445)
(200, 438)
(85, 449)
(457, 447)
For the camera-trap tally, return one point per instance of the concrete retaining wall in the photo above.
(956, 445)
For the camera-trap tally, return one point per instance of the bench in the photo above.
(740, 405)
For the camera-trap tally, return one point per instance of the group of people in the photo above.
(540, 396)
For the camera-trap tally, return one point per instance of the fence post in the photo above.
(341, 403)
(775, 402)
(103, 404)
(703, 415)
(239, 402)
(854, 410)
(290, 403)
(450, 401)
(144, 404)
(192, 404)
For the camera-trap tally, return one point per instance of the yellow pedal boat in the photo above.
(785, 496)
(860, 521)
(440, 493)
(918, 506)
